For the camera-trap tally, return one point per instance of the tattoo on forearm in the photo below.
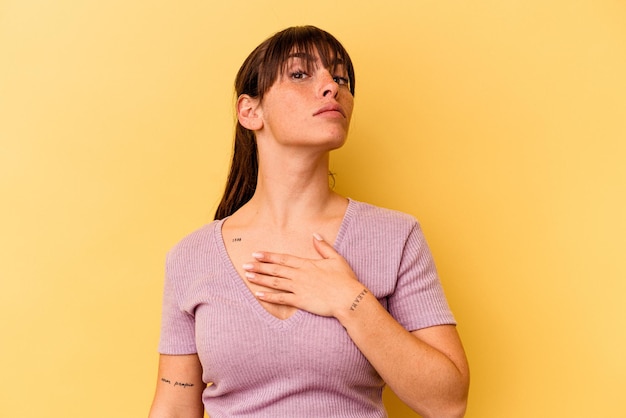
(181, 384)
(358, 299)
(184, 385)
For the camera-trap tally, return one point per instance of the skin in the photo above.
(280, 243)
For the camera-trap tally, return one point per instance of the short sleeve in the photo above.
(418, 300)
(177, 325)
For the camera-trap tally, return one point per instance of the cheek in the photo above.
(282, 106)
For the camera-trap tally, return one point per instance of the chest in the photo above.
(236, 345)
(240, 246)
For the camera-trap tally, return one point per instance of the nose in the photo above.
(328, 85)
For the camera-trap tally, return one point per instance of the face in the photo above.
(307, 107)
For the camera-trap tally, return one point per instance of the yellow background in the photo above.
(500, 124)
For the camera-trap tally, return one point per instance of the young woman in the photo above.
(296, 301)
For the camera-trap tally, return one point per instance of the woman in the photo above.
(295, 301)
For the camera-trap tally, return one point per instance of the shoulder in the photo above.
(376, 228)
(194, 244)
(368, 216)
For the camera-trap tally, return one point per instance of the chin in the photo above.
(336, 139)
(328, 142)
(335, 143)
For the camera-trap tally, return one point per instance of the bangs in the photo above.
(306, 43)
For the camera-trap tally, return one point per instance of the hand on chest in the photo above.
(241, 245)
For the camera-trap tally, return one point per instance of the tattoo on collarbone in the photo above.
(181, 384)
(358, 299)
(238, 239)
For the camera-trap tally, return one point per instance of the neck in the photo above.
(292, 190)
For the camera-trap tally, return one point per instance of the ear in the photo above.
(249, 112)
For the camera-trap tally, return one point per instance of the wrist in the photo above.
(352, 307)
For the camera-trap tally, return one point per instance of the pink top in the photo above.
(306, 365)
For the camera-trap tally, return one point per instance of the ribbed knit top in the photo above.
(257, 365)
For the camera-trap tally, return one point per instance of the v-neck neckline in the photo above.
(253, 302)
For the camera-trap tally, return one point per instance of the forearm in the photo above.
(430, 380)
(179, 388)
(163, 411)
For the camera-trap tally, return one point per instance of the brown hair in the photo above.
(255, 77)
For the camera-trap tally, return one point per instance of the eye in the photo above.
(298, 75)
(342, 81)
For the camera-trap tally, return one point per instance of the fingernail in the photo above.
(260, 294)
(257, 255)
(317, 236)
(248, 266)
(249, 275)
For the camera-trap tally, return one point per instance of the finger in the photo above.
(261, 288)
(279, 298)
(323, 248)
(270, 282)
(267, 269)
(276, 258)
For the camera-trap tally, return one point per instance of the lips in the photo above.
(333, 107)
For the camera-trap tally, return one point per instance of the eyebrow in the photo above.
(300, 55)
(337, 61)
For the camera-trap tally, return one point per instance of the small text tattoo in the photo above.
(358, 299)
(236, 239)
(183, 385)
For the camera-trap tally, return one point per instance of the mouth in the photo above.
(330, 108)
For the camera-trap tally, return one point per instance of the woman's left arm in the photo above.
(426, 368)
